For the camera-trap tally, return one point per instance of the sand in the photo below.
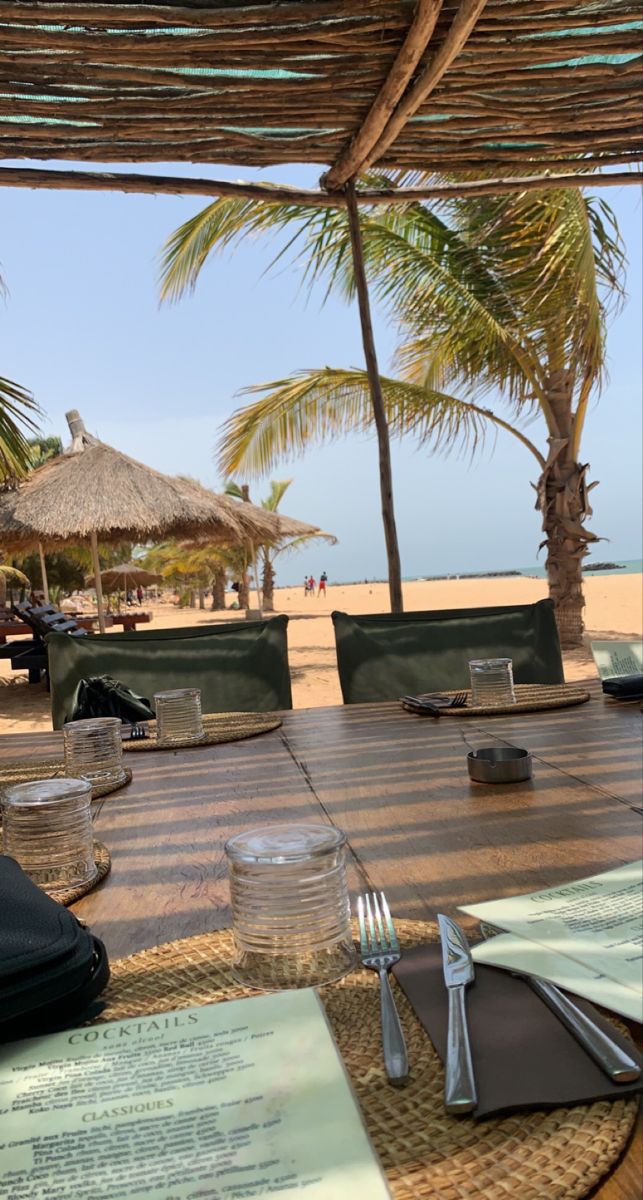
(614, 609)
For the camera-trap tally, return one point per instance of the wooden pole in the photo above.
(462, 25)
(381, 423)
(98, 582)
(175, 185)
(253, 555)
(43, 573)
(352, 156)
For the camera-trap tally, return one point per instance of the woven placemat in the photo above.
(25, 770)
(530, 697)
(218, 727)
(103, 860)
(427, 1155)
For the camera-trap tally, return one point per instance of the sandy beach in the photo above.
(614, 609)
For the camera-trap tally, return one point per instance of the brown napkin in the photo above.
(523, 1056)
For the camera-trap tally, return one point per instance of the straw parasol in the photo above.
(93, 491)
(116, 579)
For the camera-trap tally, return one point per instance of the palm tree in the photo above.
(268, 553)
(501, 304)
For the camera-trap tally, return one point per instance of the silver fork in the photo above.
(380, 950)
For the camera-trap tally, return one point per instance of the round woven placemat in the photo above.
(25, 770)
(427, 1155)
(218, 727)
(103, 860)
(530, 697)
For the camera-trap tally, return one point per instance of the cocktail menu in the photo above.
(242, 1099)
(586, 935)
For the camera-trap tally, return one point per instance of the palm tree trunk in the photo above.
(564, 503)
(244, 592)
(201, 597)
(218, 589)
(377, 399)
(268, 584)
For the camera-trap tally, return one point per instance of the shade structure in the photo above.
(442, 85)
(123, 577)
(94, 492)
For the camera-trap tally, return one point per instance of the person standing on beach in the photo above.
(305, 585)
(323, 580)
(311, 586)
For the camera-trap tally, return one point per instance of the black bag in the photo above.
(51, 967)
(102, 696)
(624, 687)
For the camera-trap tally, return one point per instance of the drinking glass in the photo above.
(492, 681)
(47, 828)
(94, 750)
(178, 717)
(290, 906)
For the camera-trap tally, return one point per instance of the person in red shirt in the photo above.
(311, 586)
(323, 580)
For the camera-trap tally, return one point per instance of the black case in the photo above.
(51, 967)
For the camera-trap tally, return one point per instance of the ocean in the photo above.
(626, 566)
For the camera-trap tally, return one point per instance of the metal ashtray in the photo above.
(499, 764)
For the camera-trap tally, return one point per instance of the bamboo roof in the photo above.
(466, 86)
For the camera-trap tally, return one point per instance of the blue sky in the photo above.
(83, 328)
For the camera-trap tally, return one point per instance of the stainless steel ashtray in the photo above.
(499, 764)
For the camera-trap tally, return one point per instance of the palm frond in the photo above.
(278, 489)
(316, 407)
(18, 413)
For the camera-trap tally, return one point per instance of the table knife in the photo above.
(457, 964)
(616, 1064)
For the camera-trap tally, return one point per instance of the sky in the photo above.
(82, 327)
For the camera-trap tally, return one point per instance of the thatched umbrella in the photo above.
(122, 577)
(94, 491)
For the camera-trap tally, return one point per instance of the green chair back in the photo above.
(388, 655)
(239, 666)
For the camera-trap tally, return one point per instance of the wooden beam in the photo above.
(355, 153)
(463, 24)
(377, 399)
(101, 181)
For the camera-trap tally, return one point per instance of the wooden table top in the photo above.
(398, 786)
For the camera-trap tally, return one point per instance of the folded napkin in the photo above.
(523, 1056)
(624, 687)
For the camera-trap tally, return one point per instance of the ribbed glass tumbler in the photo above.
(178, 717)
(94, 750)
(47, 828)
(290, 906)
(492, 681)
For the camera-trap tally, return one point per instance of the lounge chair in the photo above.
(239, 666)
(30, 654)
(388, 655)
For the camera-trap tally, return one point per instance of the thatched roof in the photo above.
(127, 574)
(92, 488)
(458, 85)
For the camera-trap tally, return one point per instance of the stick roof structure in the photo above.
(464, 86)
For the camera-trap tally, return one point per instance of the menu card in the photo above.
(616, 659)
(247, 1098)
(586, 936)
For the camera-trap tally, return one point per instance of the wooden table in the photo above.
(398, 786)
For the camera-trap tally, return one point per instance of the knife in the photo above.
(457, 964)
(617, 1065)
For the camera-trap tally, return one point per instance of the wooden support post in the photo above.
(98, 582)
(381, 423)
(43, 573)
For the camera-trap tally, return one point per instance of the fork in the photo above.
(434, 705)
(137, 732)
(380, 950)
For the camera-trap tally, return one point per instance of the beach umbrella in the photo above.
(92, 491)
(117, 579)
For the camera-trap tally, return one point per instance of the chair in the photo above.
(388, 655)
(31, 654)
(239, 666)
